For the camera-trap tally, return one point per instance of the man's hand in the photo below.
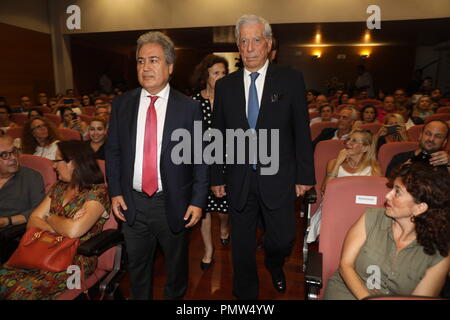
(301, 189)
(194, 213)
(439, 158)
(219, 191)
(118, 204)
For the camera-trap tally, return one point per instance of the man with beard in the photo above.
(431, 147)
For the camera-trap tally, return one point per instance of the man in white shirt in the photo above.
(158, 199)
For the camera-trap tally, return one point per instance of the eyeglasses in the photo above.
(39, 126)
(5, 155)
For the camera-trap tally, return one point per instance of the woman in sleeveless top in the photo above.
(406, 242)
(356, 159)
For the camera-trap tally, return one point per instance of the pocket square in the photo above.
(276, 97)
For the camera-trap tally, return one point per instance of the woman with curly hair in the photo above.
(210, 69)
(39, 137)
(408, 240)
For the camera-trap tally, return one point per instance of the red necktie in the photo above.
(150, 163)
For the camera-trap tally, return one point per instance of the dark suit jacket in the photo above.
(283, 107)
(183, 185)
(325, 134)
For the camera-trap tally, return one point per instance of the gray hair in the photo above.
(354, 112)
(251, 18)
(161, 39)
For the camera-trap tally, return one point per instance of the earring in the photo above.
(412, 218)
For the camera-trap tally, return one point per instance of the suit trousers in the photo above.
(279, 239)
(151, 228)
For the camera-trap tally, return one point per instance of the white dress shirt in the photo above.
(259, 84)
(161, 108)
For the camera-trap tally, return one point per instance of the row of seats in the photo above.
(413, 132)
(21, 118)
(66, 133)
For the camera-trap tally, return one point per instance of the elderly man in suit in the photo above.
(157, 199)
(262, 96)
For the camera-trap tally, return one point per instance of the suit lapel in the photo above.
(240, 98)
(133, 122)
(269, 83)
(170, 124)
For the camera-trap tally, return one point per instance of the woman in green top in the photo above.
(402, 249)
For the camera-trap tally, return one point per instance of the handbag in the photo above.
(45, 251)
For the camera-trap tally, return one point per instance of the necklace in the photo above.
(352, 166)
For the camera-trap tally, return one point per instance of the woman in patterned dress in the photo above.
(205, 76)
(76, 207)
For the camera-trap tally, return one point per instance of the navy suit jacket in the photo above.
(183, 184)
(283, 107)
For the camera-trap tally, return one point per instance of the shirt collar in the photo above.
(164, 93)
(262, 71)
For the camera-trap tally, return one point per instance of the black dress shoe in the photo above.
(205, 265)
(225, 241)
(279, 282)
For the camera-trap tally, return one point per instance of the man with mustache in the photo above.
(21, 189)
(431, 145)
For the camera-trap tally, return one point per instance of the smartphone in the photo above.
(74, 116)
(392, 129)
(68, 101)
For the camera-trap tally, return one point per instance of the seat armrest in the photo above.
(100, 243)
(313, 272)
(11, 232)
(310, 196)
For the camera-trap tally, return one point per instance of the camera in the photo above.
(392, 129)
(422, 157)
(74, 116)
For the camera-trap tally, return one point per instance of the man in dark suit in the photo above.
(156, 198)
(262, 96)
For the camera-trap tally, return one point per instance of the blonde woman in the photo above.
(356, 159)
(393, 130)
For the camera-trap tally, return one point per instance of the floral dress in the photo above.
(214, 204)
(21, 284)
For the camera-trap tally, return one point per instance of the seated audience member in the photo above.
(368, 115)
(53, 104)
(39, 137)
(311, 96)
(42, 99)
(436, 97)
(400, 96)
(76, 207)
(424, 108)
(34, 112)
(102, 111)
(321, 99)
(99, 101)
(86, 101)
(25, 104)
(343, 99)
(326, 114)
(405, 110)
(387, 107)
(5, 122)
(363, 95)
(3, 101)
(407, 240)
(347, 117)
(21, 188)
(97, 136)
(432, 142)
(381, 94)
(356, 159)
(71, 120)
(393, 130)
